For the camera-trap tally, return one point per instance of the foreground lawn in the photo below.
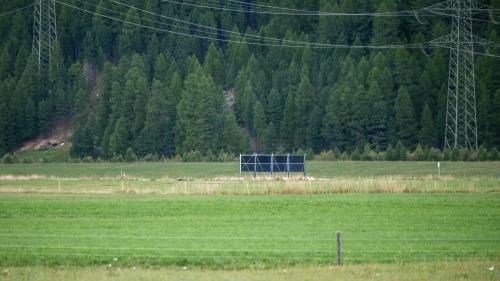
(246, 231)
(476, 271)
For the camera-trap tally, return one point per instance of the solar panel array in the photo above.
(262, 163)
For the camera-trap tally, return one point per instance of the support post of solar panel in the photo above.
(304, 167)
(272, 165)
(240, 163)
(254, 165)
(288, 164)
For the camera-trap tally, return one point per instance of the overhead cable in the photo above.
(16, 10)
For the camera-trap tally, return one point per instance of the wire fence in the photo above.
(247, 186)
(295, 251)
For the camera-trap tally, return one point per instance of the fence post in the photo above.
(339, 249)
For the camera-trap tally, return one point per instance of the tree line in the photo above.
(132, 92)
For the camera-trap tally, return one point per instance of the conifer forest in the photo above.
(167, 78)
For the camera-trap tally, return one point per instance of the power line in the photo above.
(422, 12)
(16, 10)
(304, 44)
(224, 30)
(207, 27)
(309, 13)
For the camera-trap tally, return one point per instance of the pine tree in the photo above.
(427, 130)
(260, 126)
(304, 102)
(214, 64)
(494, 120)
(405, 118)
(161, 69)
(121, 138)
(385, 29)
(288, 124)
(232, 136)
(153, 137)
(314, 139)
(197, 113)
(275, 108)
(4, 122)
(45, 109)
(82, 141)
(130, 39)
(141, 99)
(376, 117)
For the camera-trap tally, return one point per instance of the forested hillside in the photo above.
(129, 89)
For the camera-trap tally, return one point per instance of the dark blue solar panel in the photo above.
(272, 163)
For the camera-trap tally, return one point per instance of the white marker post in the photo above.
(439, 169)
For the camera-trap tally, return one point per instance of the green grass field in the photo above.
(85, 221)
(247, 231)
(179, 170)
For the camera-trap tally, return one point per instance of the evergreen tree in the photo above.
(376, 121)
(260, 126)
(82, 141)
(121, 138)
(405, 118)
(153, 137)
(44, 116)
(288, 124)
(494, 120)
(4, 133)
(385, 29)
(232, 136)
(314, 139)
(214, 64)
(197, 113)
(427, 130)
(304, 102)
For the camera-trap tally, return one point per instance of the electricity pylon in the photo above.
(44, 34)
(461, 115)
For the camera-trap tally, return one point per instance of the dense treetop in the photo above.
(132, 91)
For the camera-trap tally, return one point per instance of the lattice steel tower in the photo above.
(461, 121)
(44, 33)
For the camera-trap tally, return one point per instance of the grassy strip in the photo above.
(228, 186)
(246, 231)
(175, 170)
(477, 271)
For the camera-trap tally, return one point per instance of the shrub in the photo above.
(355, 155)
(326, 156)
(27, 161)
(419, 154)
(434, 155)
(9, 159)
(151, 158)
(130, 155)
(117, 158)
(493, 155)
(482, 154)
(192, 156)
(87, 159)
